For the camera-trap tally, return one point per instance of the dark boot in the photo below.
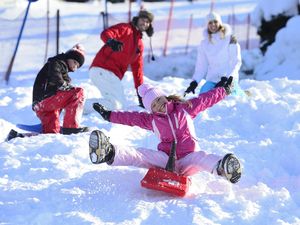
(13, 134)
(101, 150)
(74, 130)
(230, 168)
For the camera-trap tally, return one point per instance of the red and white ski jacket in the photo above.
(132, 54)
(176, 122)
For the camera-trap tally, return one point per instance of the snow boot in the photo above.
(230, 168)
(101, 150)
(13, 134)
(74, 130)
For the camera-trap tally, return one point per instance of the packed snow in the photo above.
(49, 179)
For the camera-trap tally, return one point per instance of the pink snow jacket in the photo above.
(176, 122)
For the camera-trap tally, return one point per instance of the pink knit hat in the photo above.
(148, 94)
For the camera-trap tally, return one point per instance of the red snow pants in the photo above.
(49, 110)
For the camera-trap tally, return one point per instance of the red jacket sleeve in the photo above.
(114, 31)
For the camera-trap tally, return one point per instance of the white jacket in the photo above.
(218, 57)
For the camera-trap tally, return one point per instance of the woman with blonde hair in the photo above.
(218, 57)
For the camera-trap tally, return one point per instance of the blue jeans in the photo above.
(237, 90)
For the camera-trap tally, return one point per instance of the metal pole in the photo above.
(57, 31)
(106, 15)
(9, 69)
(47, 35)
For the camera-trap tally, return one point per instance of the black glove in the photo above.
(150, 31)
(228, 85)
(102, 111)
(191, 88)
(115, 45)
(141, 104)
(222, 82)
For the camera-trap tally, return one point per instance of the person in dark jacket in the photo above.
(53, 92)
(123, 48)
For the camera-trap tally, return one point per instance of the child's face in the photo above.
(72, 64)
(159, 105)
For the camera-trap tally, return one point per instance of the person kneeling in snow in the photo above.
(53, 92)
(171, 119)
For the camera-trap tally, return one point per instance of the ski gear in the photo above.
(74, 130)
(230, 168)
(146, 14)
(217, 57)
(166, 181)
(141, 104)
(110, 87)
(222, 82)
(179, 115)
(150, 31)
(49, 109)
(227, 84)
(148, 94)
(102, 111)
(13, 134)
(132, 54)
(77, 53)
(115, 45)
(101, 150)
(191, 88)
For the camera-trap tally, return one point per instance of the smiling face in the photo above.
(143, 24)
(72, 64)
(159, 105)
(213, 26)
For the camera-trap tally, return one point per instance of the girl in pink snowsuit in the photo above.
(171, 119)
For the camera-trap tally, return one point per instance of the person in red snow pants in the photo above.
(54, 93)
(49, 110)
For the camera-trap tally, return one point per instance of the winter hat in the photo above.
(213, 16)
(77, 53)
(146, 14)
(148, 94)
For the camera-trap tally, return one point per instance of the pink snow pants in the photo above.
(49, 110)
(189, 165)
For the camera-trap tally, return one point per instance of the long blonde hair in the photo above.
(177, 98)
(222, 31)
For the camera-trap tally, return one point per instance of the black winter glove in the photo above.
(222, 82)
(102, 111)
(141, 104)
(150, 31)
(116, 46)
(191, 88)
(228, 85)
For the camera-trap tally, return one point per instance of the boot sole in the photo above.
(96, 154)
(232, 168)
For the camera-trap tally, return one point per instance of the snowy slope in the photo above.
(48, 179)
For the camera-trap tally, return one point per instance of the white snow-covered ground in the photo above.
(48, 179)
